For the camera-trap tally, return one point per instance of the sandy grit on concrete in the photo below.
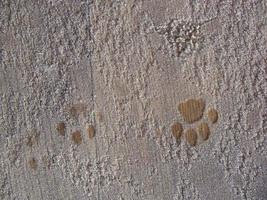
(133, 99)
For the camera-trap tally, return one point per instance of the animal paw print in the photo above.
(76, 136)
(192, 111)
(75, 111)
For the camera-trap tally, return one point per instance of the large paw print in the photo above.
(192, 111)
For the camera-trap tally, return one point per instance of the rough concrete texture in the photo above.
(123, 66)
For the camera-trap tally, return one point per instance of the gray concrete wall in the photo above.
(123, 67)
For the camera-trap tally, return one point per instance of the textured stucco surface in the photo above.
(127, 64)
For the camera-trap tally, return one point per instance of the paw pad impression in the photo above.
(192, 111)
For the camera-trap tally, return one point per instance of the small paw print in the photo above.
(76, 136)
(192, 111)
(75, 111)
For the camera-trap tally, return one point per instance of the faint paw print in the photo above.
(76, 110)
(192, 111)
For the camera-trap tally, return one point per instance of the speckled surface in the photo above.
(125, 66)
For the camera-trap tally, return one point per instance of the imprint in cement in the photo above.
(192, 111)
(77, 109)
(32, 163)
(61, 128)
(191, 137)
(177, 130)
(204, 130)
(91, 131)
(76, 137)
(213, 115)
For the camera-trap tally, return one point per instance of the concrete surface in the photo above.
(122, 67)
